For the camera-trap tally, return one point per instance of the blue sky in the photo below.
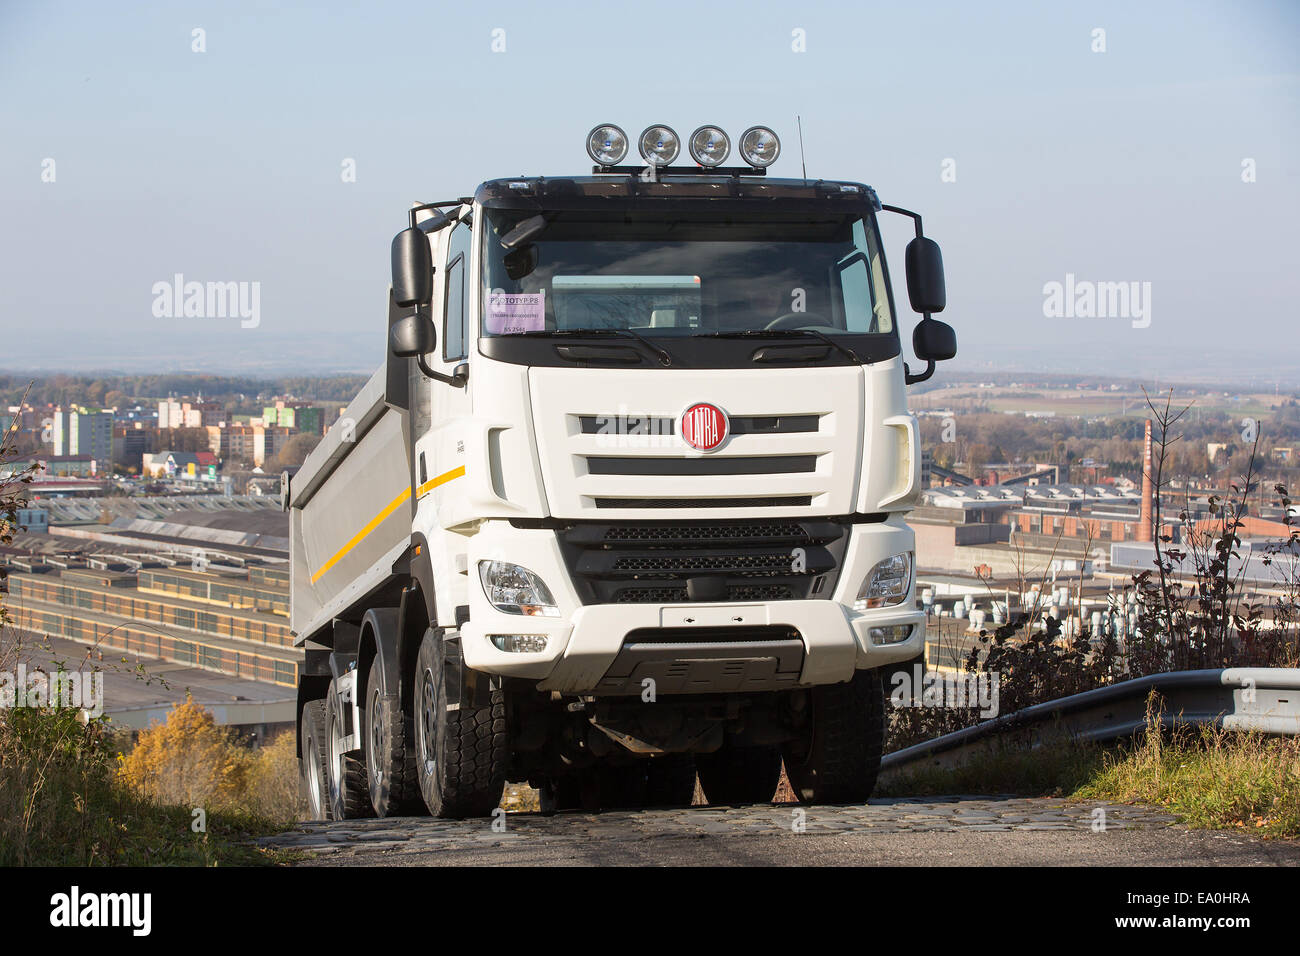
(225, 165)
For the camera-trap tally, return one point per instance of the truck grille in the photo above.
(610, 445)
(741, 592)
(675, 562)
(786, 501)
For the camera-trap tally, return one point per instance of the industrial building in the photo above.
(206, 589)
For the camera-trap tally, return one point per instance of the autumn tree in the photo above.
(294, 452)
(187, 761)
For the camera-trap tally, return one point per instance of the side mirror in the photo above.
(925, 288)
(412, 335)
(412, 268)
(934, 341)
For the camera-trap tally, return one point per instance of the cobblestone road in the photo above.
(972, 830)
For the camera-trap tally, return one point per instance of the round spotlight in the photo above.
(759, 146)
(607, 145)
(710, 146)
(660, 145)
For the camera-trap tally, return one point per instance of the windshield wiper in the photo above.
(663, 356)
(775, 333)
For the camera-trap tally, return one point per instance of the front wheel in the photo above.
(461, 749)
(838, 760)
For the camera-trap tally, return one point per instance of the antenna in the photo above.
(802, 162)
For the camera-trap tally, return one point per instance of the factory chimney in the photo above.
(1144, 519)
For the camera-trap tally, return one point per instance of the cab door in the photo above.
(440, 413)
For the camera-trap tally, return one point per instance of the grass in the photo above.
(63, 802)
(1055, 770)
(1210, 778)
(78, 817)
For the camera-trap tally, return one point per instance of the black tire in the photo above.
(739, 774)
(345, 773)
(311, 764)
(840, 762)
(391, 775)
(671, 781)
(461, 754)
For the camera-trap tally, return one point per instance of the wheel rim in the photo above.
(428, 722)
(313, 777)
(373, 741)
(335, 760)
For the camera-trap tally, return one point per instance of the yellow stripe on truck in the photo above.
(378, 519)
(442, 479)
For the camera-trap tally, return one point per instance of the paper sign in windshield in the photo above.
(509, 313)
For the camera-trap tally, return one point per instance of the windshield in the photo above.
(661, 276)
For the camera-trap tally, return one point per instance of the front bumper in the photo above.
(584, 641)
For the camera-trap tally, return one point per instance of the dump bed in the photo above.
(350, 512)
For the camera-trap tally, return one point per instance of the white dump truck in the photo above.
(626, 503)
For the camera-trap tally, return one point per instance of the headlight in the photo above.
(660, 145)
(607, 145)
(759, 146)
(887, 584)
(516, 590)
(710, 146)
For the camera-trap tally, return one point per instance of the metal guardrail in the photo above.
(1265, 699)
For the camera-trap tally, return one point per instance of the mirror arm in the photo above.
(910, 379)
(914, 216)
(446, 204)
(457, 380)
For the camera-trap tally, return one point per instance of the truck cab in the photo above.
(626, 506)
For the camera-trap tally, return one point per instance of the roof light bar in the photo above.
(660, 147)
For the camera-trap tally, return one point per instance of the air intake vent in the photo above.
(790, 501)
(665, 562)
(765, 465)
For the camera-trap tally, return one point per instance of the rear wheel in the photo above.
(390, 755)
(739, 774)
(840, 759)
(311, 764)
(349, 797)
(461, 752)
